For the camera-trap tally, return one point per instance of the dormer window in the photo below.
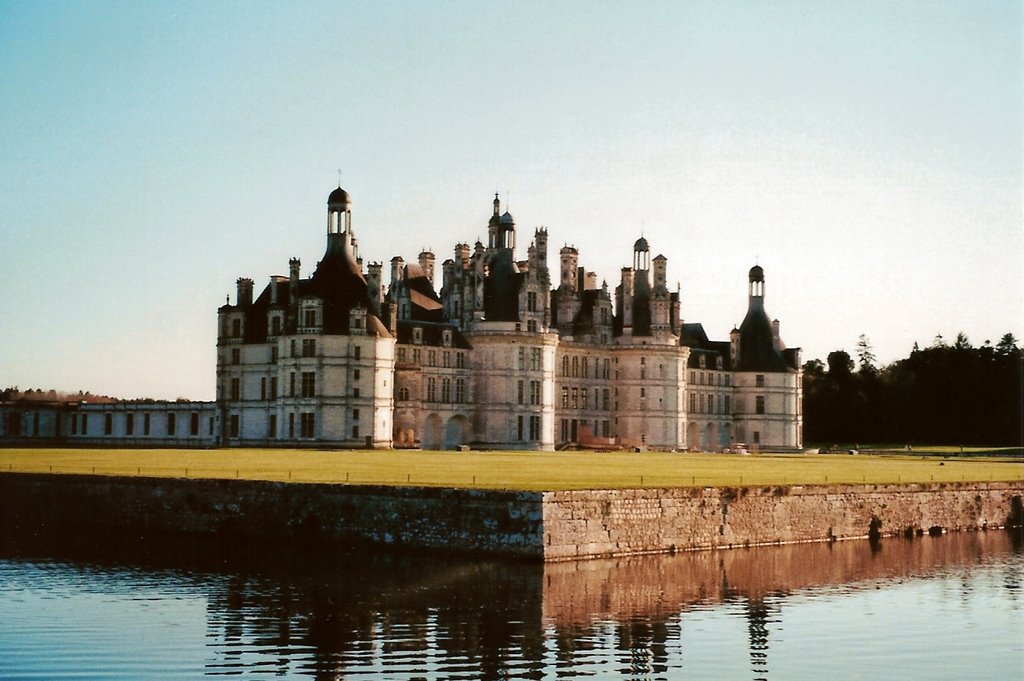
(309, 317)
(447, 338)
(417, 335)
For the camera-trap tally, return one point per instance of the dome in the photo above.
(339, 198)
(641, 245)
(756, 273)
(506, 219)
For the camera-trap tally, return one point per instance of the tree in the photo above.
(840, 364)
(865, 357)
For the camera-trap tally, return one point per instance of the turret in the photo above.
(660, 269)
(293, 292)
(569, 257)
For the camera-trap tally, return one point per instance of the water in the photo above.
(948, 607)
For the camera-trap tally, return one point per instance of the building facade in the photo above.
(501, 353)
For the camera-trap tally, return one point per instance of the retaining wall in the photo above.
(551, 526)
(622, 522)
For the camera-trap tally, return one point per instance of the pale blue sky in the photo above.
(867, 154)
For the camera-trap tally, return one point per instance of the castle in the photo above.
(500, 357)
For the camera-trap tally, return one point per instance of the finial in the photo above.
(339, 178)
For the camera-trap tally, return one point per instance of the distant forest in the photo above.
(944, 394)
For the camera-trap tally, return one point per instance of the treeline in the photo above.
(943, 394)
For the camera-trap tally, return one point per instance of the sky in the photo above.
(868, 155)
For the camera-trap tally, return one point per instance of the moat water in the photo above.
(949, 607)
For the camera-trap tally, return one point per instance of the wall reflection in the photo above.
(330, 613)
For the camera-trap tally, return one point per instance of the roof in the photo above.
(757, 344)
(339, 198)
(641, 245)
(433, 334)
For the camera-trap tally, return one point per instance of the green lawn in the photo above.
(513, 470)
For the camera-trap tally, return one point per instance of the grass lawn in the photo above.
(514, 470)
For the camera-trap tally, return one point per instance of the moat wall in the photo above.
(551, 525)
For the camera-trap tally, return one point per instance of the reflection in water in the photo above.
(329, 614)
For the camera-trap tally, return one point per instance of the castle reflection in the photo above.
(331, 614)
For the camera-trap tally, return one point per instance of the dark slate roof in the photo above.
(757, 348)
(501, 288)
(433, 334)
(426, 306)
(584, 322)
(792, 356)
(339, 281)
(339, 198)
(694, 337)
(641, 306)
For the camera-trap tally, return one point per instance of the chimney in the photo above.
(427, 265)
(244, 297)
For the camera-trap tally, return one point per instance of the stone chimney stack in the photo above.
(244, 296)
(427, 265)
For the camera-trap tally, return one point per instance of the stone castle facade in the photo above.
(486, 351)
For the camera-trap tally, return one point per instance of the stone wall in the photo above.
(502, 523)
(585, 524)
(552, 525)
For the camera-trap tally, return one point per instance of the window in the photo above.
(357, 352)
(460, 390)
(521, 359)
(416, 356)
(583, 398)
(431, 358)
(355, 392)
(355, 414)
(531, 325)
(74, 424)
(726, 404)
(85, 424)
(403, 394)
(727, 379)
(565, 429)
(275, 325)
(759, 404)
(531, 301)
(575, 367)
(355, 430)
(535, 427)
(355, 374)
(604, 429)
(401, 354)
(565, 366)
(604, 399)
(291, 384)
(211, 426)
(108, 424)
(643, 392)
(236, 389)
(584, 368)
(293, 347)
(129, 424)
(309, 317)
(693, 403)
(431, 390)
(273, 387)
(263, 388)
(446, 359)
(460, 360)
(291, 425)
(700, 402)
(757, 437)
(565, 398)
(519, 427)
(193, 423)
(234, 425)
(534, 392)
(759, 381)
(575, 398)
(272, 426)
(273, 354)
(519, 392)
(306, 423)
(236, 355)
(171, 423)
(236, 328)
(145, 424)
(693, 377)
(309, 347)
(446, 390)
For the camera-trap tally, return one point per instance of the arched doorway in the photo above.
(725, 439)
(432, 432)
(455, 432)
(692, 436)
(710, 440)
